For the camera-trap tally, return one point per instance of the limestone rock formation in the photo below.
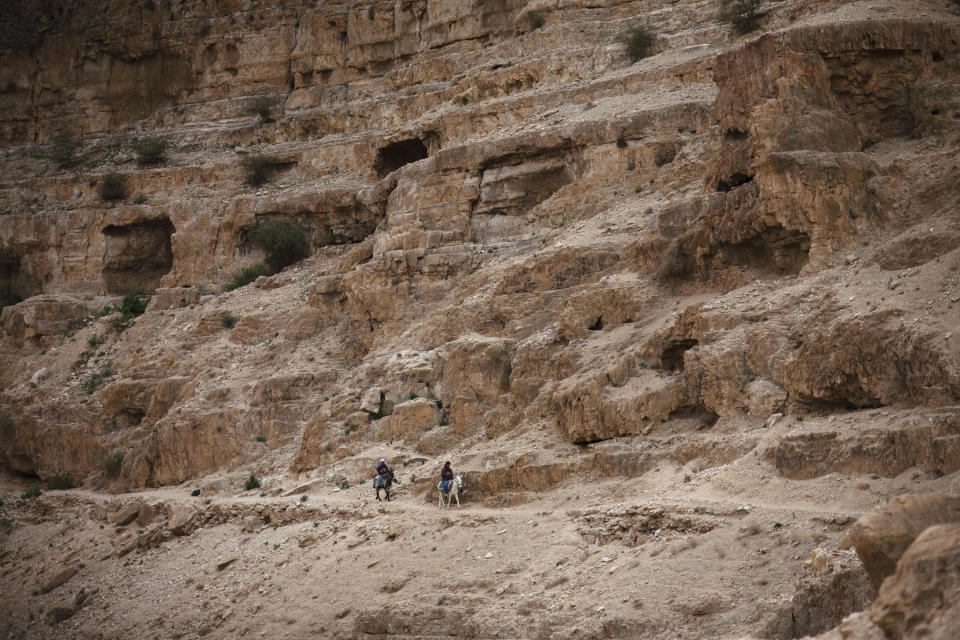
(720, 277)
(884, 535)
(919, 600)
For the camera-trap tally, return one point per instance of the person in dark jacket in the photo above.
(382, 471)
(446, 477)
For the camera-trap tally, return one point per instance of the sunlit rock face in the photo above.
(478, 230)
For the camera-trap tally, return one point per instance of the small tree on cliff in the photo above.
(113, 187)
(743, 15)
(639, 42)
(285, 242)
(151, 151)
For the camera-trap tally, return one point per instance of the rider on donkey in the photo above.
(446, 478)
(382, 471)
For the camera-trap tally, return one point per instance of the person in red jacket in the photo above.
(446, 477)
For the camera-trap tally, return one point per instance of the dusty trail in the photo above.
(580, 555)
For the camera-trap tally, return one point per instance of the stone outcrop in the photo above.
(42, 319)
(919, 600)
(822, 599)
(884, 535)
(927, 441)
(510, 235)
(722, 275)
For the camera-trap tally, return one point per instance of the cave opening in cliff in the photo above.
(695, 417)
(848, 393)
(397, 154)
(128, 417)
(775, 252)
(16, 283)
(738, 179)
(671, 359)
(736, 134)
(137, 256)
(8, 272)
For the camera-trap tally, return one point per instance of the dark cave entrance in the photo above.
(738, 179)
(137, 255)
(397, 154)
(774, 252)
(16, 283)
(672, 357)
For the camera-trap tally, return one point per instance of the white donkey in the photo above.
(456, 488)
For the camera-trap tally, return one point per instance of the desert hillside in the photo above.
(673, 284)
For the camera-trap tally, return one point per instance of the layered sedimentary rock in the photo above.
(729, 264)
(911, 550)
(510, 231)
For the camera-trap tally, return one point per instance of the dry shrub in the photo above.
(639, 42)
(151, 151)
(743, 15)
(113, 187)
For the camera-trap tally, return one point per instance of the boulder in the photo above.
(922, 598)
(183, 519)
(84, 595)
(125, 544)
(764, 398)
(173, 297)
(410, 418)
(61, 611)
(151, 537)
(59, 578)
(147, 514)
(127, 514)
(477, 366)
(835, 587)
(39, 376)
(882, 536)
(370, 400)
(44, 315)
(589, 410)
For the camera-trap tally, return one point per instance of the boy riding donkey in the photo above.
(384, 479)
(450, 486)
(446, 478)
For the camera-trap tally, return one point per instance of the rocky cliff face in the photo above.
(523, 250)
